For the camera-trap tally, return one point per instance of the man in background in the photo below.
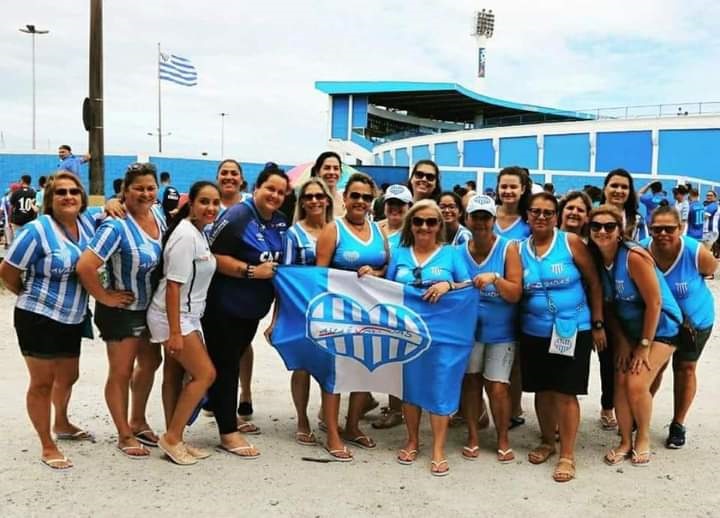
(22, 204)
(168, 196)
(681, 205)
(70, 162)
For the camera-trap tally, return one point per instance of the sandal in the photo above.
(140, 452)
(343, 455)
(613, 458)
(564, 470)
(505, 456)
(608, 422)
(147, 437)
(470, 453)
(435, 468)
(389, 419)
(305, 438)
(238, 451)
(409, 457)
(541, 453)
(640, 459)
(80, 435)
(248, 428)
(177, 453)
(363, 441)
(60, 464)
(198, 453)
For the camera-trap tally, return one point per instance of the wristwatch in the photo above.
(598, 324)
(644, 342)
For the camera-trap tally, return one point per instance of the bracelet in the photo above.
(250, 271)
(450, 285)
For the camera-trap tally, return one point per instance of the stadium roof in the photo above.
(441, 101)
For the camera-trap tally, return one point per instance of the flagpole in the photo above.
(159, 104)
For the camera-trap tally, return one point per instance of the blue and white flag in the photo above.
(176, 69)
(368, 334)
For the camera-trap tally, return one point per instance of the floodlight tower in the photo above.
(483, 28)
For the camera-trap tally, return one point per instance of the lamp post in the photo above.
(222, 134)
(31, 29)
(483, 28)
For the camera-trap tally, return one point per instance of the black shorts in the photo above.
(116, 324)
(690, 346)
(45, 338)
(543, 371)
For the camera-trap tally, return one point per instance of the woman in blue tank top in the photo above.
(685, 264)
(561, 321)
(453, 214)
(351, 242)
(424, 261)
(619, 191)
(644, 320)
(493, 262)
(313, 211)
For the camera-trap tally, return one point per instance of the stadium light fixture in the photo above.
(483, 29)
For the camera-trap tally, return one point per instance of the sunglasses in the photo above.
(429, 222)
(608, 227)
(142, 166)
(429, 177)
(545, 213)
(367, 198)
(73, 191)
(659, 229)
(318, 196)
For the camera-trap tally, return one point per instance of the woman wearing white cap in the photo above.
(493, 263)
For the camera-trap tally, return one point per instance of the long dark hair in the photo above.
(525, 181)
(435, 195)
(631, 204)
(182, 213)
(315, 170)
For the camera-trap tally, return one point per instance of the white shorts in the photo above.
(160, 331)
(493, 361)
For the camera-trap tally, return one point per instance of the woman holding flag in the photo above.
(351, 242)
(423, 260)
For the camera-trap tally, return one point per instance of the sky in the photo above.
(258, 62)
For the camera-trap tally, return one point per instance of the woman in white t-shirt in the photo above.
(174, 317)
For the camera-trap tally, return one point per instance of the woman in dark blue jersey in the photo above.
(247, 241)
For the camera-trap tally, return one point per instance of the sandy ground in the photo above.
(104, 483)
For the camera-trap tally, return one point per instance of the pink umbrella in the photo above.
(301, 173)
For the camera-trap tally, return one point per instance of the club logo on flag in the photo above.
(385, 333)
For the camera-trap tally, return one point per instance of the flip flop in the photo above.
(564, 475)
(608, 423)
(336, 457)
(541, 453)
(198, 453)
(237, 451)
(248, 429)
(305, 439)
(505, 456)
(125, 450)
(53, 463)
(641, 459)
(146, 437)
(469, 453)
(359, 442)
(80, 435)
(436, 464)
(613, 458)
(410, 455)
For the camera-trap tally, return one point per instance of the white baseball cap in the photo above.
(481, 202)
(398, 192)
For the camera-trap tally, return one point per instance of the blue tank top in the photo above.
(444, 264)
(552, 276)
(517, 231)
(393, 241)
(462, 236)
(688, 285)
(696, 220)
(629, 304)
(351, 252)
(300, 246)
(496, 318)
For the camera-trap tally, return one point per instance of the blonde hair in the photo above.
(49, 191)
(300, 213)
(406, 235)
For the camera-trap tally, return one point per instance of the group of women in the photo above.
(555, 281)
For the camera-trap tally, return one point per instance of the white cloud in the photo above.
(258, 61)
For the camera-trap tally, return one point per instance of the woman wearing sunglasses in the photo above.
(51, 309)
(424, 181)
(424, 261)
(130, 249)
(351, 242)
(453, 214)
(643, 320)
(685, 263)
(313, 211)
(560, 325)
(493, 262)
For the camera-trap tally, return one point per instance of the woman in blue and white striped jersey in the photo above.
(51, 308)
(130, 248)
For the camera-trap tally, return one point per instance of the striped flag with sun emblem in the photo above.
(369, 334)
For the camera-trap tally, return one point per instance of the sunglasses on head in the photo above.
(659, 229)
(429, 222)
(142, 166)
(545, 213)
(318, 196)
(72, 191)
(429, 177)
(608, 227)
(367, 198)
